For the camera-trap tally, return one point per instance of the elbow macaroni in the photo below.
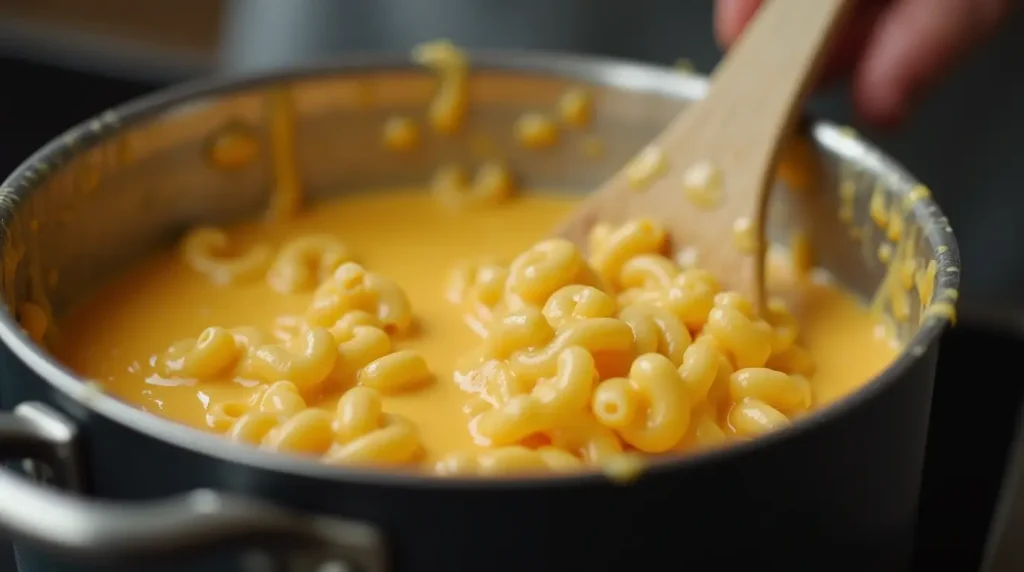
(364, 434)
(400, 134)
(207, 250)
(343, 341)
(451, 102)
(675, 363)
(359, 432)
(352, 288)
(583, 360)
(536, 131)
(305, 262)
(492, 184)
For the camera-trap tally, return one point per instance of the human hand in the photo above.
(892, 49)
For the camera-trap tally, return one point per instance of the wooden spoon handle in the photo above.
(775, 63)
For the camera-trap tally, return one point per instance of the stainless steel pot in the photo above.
(838, 490)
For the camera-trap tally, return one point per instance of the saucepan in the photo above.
(95, 483)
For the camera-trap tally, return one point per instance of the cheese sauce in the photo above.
(115, 336)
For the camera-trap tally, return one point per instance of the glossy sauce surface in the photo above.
(115, 336)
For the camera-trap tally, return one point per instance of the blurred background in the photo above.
(64, 60)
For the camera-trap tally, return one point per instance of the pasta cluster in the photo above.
(492, 184)
(450, 105)
(298, 266)
(277, 418)
(584, 359)
(344, 344)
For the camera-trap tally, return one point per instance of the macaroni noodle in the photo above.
(209, 355)
(400, 134)
(358, 347)
(703, 186)
(477, 287)
(451, 102)
(305, 262)
(306, 361)
(648, 165)
(364, 434)
(508, 461)
(626, 351)
(537, 273)
(492, 184)
(576, 108)
(651, 409)
(536, 131)
(552, 399)
(353, 288)
(612, 249)
(751, 418)
(359, 432)
(233, 147)
(207, 251)
(400, 371)
(575, 302)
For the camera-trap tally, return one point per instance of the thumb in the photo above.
(731, 17)
(913, 44)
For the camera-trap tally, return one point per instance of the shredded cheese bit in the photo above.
(233, 148)
(493, 181)
(702, 185)
(576, 108)
(536, 131)
(647, 166)
(401, 134)
(885, 253)
(744, 237)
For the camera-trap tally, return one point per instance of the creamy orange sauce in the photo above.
(115, 336)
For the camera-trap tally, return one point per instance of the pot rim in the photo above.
(616, 73)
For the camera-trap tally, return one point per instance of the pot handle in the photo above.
(106, 532)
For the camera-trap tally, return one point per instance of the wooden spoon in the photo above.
(707, 176)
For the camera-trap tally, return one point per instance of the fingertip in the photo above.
(913, 45)
(882, 85)
(731, 17)
(880, 107)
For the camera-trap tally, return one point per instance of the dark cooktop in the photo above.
(974, 426)
(36, 104)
